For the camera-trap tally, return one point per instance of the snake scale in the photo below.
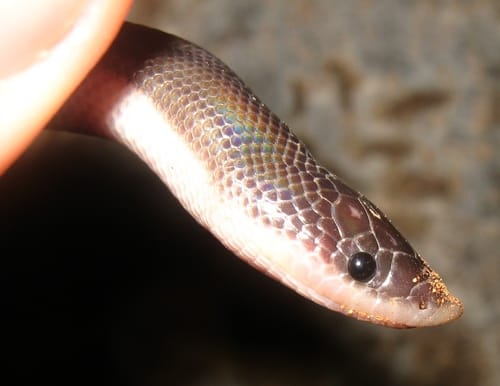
(240, 172)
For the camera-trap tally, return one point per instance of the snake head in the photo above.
(354, 261)
(388, 283)
(303, 226)
(339, 250)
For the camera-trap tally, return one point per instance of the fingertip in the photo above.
(35, 83)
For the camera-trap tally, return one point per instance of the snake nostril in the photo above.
(362, 266)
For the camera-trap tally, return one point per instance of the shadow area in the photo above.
(106, 279)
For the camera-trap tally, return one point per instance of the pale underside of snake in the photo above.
(241, 173)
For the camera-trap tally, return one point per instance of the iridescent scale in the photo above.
(171, 101)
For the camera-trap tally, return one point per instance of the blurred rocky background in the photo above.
(106, 280)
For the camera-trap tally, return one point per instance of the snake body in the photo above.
(240, 172)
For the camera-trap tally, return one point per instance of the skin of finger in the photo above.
(31, 96)
(44, 23)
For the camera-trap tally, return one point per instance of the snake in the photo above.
(241, 173)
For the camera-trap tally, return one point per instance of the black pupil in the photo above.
(361, 266)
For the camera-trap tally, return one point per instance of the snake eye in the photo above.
(361, 266)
